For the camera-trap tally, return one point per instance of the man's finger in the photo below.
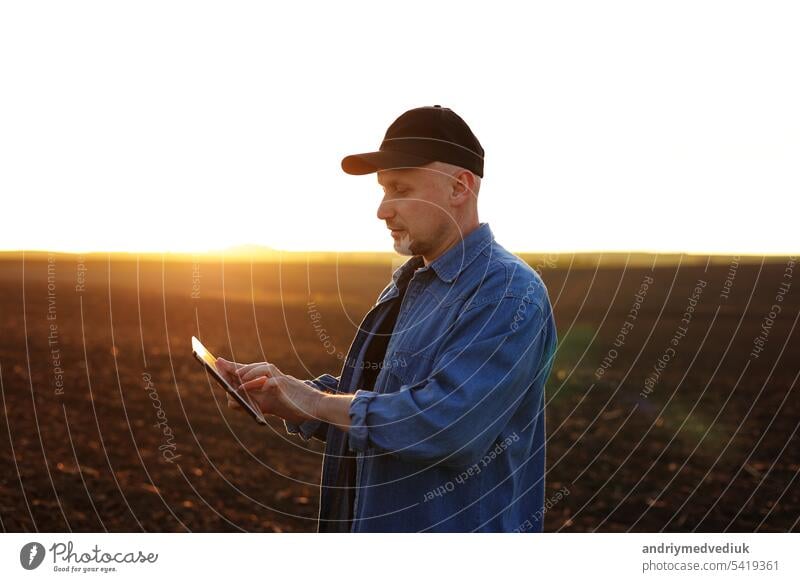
(228, 365)
(265, 369)
(228, 370)
(257, 372)
(254, 384)
(247, 367)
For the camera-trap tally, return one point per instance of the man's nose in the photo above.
(385, 210)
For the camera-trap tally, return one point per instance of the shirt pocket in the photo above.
(426, 324)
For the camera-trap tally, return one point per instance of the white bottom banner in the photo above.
(390, 557)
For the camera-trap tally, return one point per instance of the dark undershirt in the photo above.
(372, 364)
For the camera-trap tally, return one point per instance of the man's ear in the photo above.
(463, 187)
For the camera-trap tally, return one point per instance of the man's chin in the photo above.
(403, 250)
(402, 246)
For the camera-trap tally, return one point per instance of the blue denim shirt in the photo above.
(452, 438)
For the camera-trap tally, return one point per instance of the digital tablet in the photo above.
(209, 362)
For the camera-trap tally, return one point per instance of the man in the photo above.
(436, 422)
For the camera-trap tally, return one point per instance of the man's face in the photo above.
(415, 207)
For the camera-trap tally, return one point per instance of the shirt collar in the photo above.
(454, 260)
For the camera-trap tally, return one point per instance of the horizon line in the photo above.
(254, 251)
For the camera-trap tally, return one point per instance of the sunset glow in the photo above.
(206, 136)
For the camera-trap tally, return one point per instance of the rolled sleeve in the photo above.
(489, 363)
(358, 419)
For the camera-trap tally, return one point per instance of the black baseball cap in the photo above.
(420, 136)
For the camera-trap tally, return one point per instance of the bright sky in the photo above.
(190, 126)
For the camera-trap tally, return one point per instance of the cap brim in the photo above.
(358, 164)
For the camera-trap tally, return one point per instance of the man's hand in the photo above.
(277, 393)
(228, 370)
(273, 391)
